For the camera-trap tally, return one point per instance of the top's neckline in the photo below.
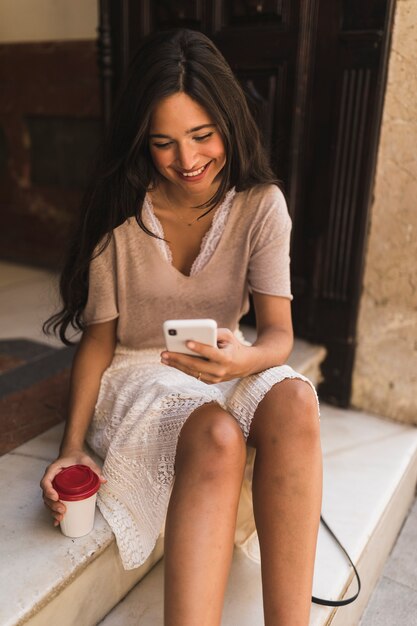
(208, 243)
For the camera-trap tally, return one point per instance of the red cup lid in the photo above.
(76, 482)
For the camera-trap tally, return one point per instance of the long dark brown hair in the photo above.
(166, 63)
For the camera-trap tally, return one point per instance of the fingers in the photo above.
(57, 509)
(46, 482)
(225, 338)
(201, 372)
(50, 496)
(203, 350)
(190, 365)
(213, 370)
(213, 354)
(207, 354)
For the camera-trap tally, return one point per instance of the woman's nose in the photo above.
(187, 158)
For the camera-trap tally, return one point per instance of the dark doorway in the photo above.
(314, 74)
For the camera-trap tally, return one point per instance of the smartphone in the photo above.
(177, 332)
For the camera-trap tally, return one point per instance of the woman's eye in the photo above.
(203, 137)
(162, 145)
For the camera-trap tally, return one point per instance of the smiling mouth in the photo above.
(195, 172)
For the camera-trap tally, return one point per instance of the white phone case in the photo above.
(177, 332)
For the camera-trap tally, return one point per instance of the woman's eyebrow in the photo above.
(193, 130)
(190, 130)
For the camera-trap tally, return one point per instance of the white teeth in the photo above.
(196, 173)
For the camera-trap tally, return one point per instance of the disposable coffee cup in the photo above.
(77, 488)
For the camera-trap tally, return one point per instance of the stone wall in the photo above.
(385, 374)
(47, 20)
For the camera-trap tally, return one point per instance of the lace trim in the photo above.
(210, 239)
(156, 227)
(212, 236)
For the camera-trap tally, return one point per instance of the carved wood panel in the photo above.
(181, 13)
(255, 11)
(342, 129)
(349, 156)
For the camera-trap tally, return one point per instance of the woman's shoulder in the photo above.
(126, 230)
(126, 226)
(263, 198)
(263, 192)
(118, 238)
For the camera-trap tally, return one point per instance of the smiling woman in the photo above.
(183, 220)
(189, 159)
(190, 162)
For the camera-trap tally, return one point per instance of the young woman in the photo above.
(184, 219)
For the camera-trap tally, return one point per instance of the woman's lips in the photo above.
(194, 177)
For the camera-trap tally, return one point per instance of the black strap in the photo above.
(347, 600)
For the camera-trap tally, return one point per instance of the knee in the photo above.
(299, 394)
(302, 409)
(214, 436)
(224, 435)
(289, 409)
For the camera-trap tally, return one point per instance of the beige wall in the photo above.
(47, 20)
(385, 375)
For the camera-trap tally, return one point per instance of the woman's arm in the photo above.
(231, 359)
(93, 355)
(275, 337)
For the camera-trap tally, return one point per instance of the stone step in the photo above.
(370, 470)
(46, 578)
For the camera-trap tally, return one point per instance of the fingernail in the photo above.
(190, 344)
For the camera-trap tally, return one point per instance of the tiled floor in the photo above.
(394, 601)
(364, 461)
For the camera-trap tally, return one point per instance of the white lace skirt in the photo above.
(141, 408)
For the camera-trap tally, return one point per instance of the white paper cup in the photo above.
(79, 517)
(77, 488)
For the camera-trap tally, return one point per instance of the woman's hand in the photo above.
(50, 496)
(228, 361)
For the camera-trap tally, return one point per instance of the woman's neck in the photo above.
(178, 197)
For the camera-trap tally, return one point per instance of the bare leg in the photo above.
(287, 489)
(201, 517)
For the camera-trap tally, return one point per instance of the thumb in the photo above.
(224, 335)
(98, 471)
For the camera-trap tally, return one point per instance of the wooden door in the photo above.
(339, 142)
(314, 74)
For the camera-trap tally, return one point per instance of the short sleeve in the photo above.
(102, 288)
(269, 263)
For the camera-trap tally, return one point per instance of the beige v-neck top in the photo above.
(134, 279)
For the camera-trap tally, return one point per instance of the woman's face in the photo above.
(186, 146)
